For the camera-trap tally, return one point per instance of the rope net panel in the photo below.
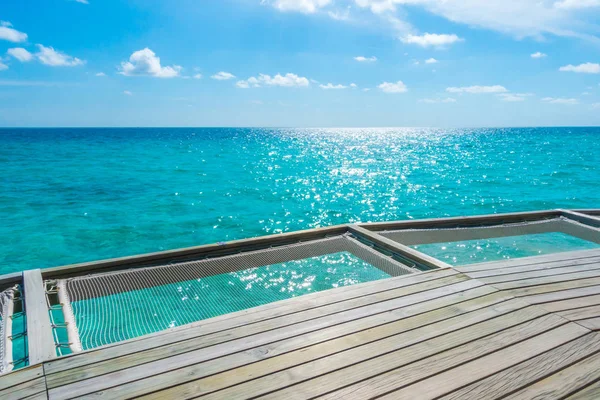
(13, 340)
(6, 299)
(116, 306)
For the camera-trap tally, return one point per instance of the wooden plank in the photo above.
(25, 389)
(545, 280)
(565, 294)
(589, 392)
(570, 304)
(581, 313)
(19, 376)
(405, 251)
(591, 323)
(165, 358)
(564, 382)
(482, 367)
(554, 287)
(523, 374)
(583, 218)
(492, 280)
(411, 237)
(335, 372)
(286, 308)
(542, 266)
(459, 222)
(39, 330)
(265, 360)
(567, 256)
(192, 253)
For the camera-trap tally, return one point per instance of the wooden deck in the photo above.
(522, 329)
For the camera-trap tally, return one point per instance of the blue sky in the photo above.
(300, 63)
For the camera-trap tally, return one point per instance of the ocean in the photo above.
(75, 195)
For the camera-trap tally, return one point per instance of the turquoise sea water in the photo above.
(74, 195)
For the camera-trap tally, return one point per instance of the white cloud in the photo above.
(431, 61)
(197, 76)
(596, 105)
(390, 87)
(366, 89)
(223, 76)
(365, 59)
(100, 74)
(303, 6)
(443, 100)
(287, 80)
(431, 39)
(554, 100)
(20, 54)
(55, 58)
(339, 15)
(477, 89)
(536, 18)
(82, 1)
(577, 4)
(538, 55)
(332, 86)
(353, 85)
(127, 92)
(3, 66)
(514, 97)
(587, 68)
(7, 32)
(146, 63)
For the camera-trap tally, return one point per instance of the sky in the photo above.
(300, 63)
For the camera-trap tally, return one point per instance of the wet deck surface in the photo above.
(523, 328)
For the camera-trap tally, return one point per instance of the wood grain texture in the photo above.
(301, 308)
(375, 375)
(102, 375)
(564, 382)
(40, 340)
(523, 374)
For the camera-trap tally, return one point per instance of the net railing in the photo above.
(7, 298)
(114, 306)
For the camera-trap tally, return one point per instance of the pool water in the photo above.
(127, 315)
(482, 250)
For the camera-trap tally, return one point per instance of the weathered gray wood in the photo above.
(591, 323)
(379, 375)
(530, 371)
(293, 310)
(564, 382)
(542, 266)
(589, 392)
(570, 304)
(191, 253)
(25, 389)
(411, 237)
(414, 328)
(489, 364)
(563, 294)
(583, 218)
(581, 313)
(39, 330)
(405, 251)
(558, 272)
(460, 222)
(19, 376)
(554, 287)
(109, 373)
(546, 280)
(567, 256)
